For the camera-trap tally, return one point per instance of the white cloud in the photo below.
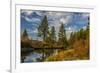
(30, 31)
(28, 19)
(28, 12)
(63, 20)
(84, 27)
(35, 31)
(71, 29)
(85, 15)
(59, 17)
(32, 19)
(39, 13)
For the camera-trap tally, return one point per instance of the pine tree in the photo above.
(62, 36)
(71, 39)
(43, 28)
(53, 34)
(51, 39)
(25, 34)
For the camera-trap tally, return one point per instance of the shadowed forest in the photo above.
(55, 47)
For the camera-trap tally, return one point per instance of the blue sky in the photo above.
(73, 21)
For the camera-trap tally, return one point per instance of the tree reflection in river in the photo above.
(37, 55)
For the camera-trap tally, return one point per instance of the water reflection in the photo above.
(33, 57)
(37, 55)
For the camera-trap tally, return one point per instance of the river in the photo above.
(37, 55)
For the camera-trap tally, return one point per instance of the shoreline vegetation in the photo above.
(74, 48)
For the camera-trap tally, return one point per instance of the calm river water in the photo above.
(37, 55)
